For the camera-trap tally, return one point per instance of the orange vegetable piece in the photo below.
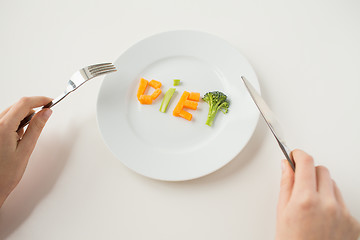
(180, 104)
(186, 115)
(190, 104)
(145, 99)
(156, 93)
(185, 102)
(142, 87)
(155, 84)
(194, 96)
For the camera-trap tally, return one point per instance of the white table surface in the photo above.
(306, 55)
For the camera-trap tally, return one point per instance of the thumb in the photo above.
(286, 184)
(37, 123)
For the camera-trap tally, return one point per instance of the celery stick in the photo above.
(176, 82)
(166, 99)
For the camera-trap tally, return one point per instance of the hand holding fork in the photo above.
(77, 79)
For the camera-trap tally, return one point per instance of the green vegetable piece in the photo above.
(176, 82)
(166, 99)
(217, 101)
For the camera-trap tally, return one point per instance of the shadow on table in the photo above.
(44, 168)
(242, 159)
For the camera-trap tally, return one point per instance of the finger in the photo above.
(4, 112)
(21, 109)
(338, 195)
(324, 182)
(37, 123)
(286, 184)
(305, 177)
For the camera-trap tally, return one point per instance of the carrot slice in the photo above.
(190, 104)
(155, 84)
(156, 93)
(194, 96)
(186, 115)
(142, 87)
(145, 99)
(180, 104)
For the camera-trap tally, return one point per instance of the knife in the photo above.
(270, 119)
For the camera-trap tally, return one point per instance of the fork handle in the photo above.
(56, 100)
(27, 119)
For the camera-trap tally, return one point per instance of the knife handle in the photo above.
(288, 154)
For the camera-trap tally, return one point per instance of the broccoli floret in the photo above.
(217, 101)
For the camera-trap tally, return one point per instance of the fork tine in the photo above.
(98, 65)
(104, 72)
(99, 69)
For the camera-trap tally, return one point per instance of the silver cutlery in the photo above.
(77, 79)
(270, 119)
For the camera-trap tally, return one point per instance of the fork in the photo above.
(76, 80)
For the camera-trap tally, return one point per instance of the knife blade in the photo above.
(270, 119)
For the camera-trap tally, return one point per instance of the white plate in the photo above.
(159, 145)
